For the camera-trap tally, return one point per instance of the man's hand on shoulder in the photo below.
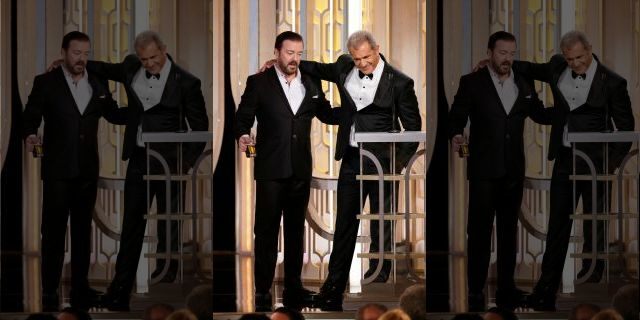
(481, 64)
(55, 64)
(268, 64)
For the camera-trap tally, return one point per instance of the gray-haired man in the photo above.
(162, 98)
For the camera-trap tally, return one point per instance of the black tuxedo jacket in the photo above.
(608, 99)
(70, 141)
(283, 144)
(181, 96)
(394, 88)
(495, 139)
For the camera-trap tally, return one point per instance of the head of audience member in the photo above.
(76, 47)
(284, 313)
(288, 51)
(395, 314)
(151, 51)
(467, 316)
(41, 316)
(73, 314)
(499, 314)
(364, 50)
(200, 301)
(158, 311)
(254, 316)
(412, 301)
(576, 50)
(583, 311)
(370, 311)
(625, 301)
(182, 314)
(501, 50)
(608, 314)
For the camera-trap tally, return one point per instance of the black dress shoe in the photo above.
(329, 299)
(511, 299)
(85, 299)
(168, 277)
(540, 301)
(476, 302)
(116, 301)
(263, 302)
(298, 298)
(50, 302)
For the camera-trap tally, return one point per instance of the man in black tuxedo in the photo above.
(370, 89)
(284, 101)
(497, 101)
(162, 98)
(70, 101)
(587, 96)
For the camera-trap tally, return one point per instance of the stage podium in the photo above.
(407, 226)
(620, 223)
(173, 173)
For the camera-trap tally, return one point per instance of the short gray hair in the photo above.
(625, 301)
(145, 38)
(570, 39)
(412, 302)
(200, 301)
(357, 38)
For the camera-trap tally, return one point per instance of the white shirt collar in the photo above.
(591, 71)
(496, 77)
(67, 74)
(164, 72)
(377, 72)
(283, 77)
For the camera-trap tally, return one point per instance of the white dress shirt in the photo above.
(149, 90)
(575, 90)
(80, 90)
(294, 90)
(507, 89)
(362, 91)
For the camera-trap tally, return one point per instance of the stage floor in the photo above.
(350, 315)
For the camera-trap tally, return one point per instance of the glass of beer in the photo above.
(251, 151)
(37, 150)
(463, 150)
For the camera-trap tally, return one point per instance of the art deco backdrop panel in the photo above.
(612, 28)
(400, 30)
(192, 34)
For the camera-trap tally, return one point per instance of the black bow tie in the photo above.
(582, 75)
(149, 75)
(362, 75)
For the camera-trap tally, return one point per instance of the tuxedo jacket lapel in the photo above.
(383, 92)
(490, 87)
(95, 93)
(522, 92)
(342, 79)
(309, 91)
(597, 86)
(172, 83)
(62, 81)
(275, 82)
